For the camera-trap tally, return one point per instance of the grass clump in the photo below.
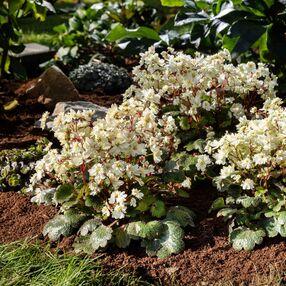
(25, 264)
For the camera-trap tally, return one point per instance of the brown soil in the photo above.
(17, 125)
(19, 219)
(207, 259)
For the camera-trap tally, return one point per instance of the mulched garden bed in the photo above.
(17, 125)
(208, 257)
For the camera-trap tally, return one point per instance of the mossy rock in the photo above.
(104, 77)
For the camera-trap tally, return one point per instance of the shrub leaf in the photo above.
(64, 193)
(182, 215)
(170, 242)
(245, 238)
(100, 236)
(122, 239)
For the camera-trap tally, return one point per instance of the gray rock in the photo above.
(67, 106)
(31, 49)
(53, 86)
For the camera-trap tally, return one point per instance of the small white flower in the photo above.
(119, 211)
(227, 171)
(187, 183)
(133, 202)
(260, 159)
(117, 197)
(247, 184)
(105, 211)
(44, 119)
(137, 194)
(202, 162)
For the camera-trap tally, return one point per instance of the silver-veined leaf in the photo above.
(100, 236)
(245, 238)
(182, 215)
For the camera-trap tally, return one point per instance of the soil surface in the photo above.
(208, 258)
(19, 219)
(17, 126)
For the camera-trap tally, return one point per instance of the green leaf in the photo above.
(122, 239)
(182, 215)
(94, 201)
(89, 226)
(153, 229)
(136, 229)
(145, 203)
(14, 180)
(64, 193)
(152, 246)
(182, 193)
(173, 3)
(276, 42)
(11, 105)
(184, 123)
(119, 32)
(247, 201)
(227, 213)
(60, 28)
(15, 5)
(270, 226)
(196, 145)
(169, 242)
(176, 176)
(277, 225)
(245, 238)
(83, 244)
(158, 209)
(229, 43)
(100, 236)
(248, 31)
(74, 217)
(282, 218)
(217, 204)
(56, 227)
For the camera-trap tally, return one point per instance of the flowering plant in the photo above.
(253, 161)
(115, 176)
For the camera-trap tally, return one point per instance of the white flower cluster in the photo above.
(112, 157)
(202, 82)
(256, 153)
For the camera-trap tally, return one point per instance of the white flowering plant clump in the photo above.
(252, 175)
(205, 95)
(105, 178)
(114, 177)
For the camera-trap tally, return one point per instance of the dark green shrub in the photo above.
(10, 12)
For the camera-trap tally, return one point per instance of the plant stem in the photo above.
(3, 62)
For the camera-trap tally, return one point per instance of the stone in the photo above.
(66, 107)
(32, 49)
(32, 57)
(53, 86)
(100, 78)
